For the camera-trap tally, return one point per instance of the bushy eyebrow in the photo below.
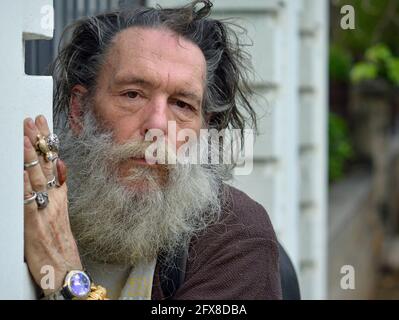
(133, 79)
(137, 80)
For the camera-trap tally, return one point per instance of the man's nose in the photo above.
(156, 116)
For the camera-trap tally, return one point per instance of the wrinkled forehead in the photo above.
(157, 52)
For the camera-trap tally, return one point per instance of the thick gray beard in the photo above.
(115, 224)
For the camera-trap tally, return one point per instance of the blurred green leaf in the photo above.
(340, 63)
(362, 71)
(393, 70)
(379, 53)
(340, 147)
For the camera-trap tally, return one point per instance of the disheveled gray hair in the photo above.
(227, 96)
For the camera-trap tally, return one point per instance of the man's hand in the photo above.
(48, 235)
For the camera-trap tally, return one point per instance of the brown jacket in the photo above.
(234, 259)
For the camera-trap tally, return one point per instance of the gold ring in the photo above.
(41, 145)
(51, 156)
(44, 149)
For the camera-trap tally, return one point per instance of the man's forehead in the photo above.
(152, 47)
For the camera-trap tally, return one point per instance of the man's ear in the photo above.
(76, 108)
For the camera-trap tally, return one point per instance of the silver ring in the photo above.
(30, 199)
(52, 183)
(31, 164)
(53, 142)
(42, 200)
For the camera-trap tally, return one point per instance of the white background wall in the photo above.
(22, 96)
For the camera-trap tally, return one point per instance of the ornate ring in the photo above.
(41, 145)
(47, 146)
(50, 156)
(31, 198)
(52, 183)
(42, 200)
(31, 164)
(53, 142)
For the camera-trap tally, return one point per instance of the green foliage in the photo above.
(378, 62)
(393, 70)
(376, 22)
(379, 53)
(340, 63)
(364, 71)
(340, 147)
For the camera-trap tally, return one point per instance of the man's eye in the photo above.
(132, 94)
(183, 105)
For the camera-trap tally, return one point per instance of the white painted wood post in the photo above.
(272, 25)
(313, 147)
(22, 96)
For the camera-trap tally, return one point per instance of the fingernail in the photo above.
(30, 123)
(42, 120)
(27, 142)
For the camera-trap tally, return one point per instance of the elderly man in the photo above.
(127, 228)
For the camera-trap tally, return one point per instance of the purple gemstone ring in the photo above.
(77, 285)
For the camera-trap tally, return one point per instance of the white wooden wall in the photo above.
(313, 106)
(289, 175)
(21, 96)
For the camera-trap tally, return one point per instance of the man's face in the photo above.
(151, 76)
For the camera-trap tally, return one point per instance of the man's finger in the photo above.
(42, 125)
(31, 131)
(28, 193)
(36, 175)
